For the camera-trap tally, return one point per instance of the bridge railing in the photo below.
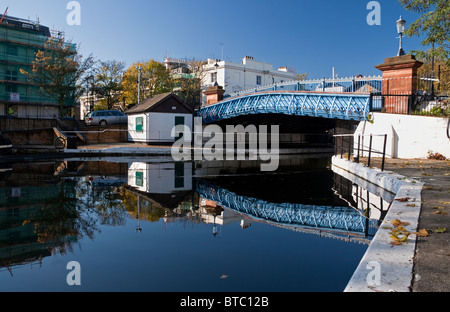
(364, 85)
(418, 103)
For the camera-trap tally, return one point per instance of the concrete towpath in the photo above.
(432, 256)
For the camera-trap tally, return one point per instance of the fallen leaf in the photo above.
(404, 199)
(421, 233)
(439, 230)
(395, 243)
(400, 238)
(411, 205)
(445, 203)
(440, 212)
(397, 223)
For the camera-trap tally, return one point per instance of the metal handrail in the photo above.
(361, 148)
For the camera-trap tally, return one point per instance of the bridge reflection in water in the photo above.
(345, 223)
(350, 216)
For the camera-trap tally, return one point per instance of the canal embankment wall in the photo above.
(31, 132)
(386, 267)
(408, 136)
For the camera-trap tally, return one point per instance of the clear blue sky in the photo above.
(308, 35)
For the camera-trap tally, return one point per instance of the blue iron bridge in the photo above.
(345, 106)
(341, 220)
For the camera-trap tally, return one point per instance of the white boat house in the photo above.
(152, 121)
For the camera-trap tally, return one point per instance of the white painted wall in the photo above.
(408, 136)
(133, 135)
(161, 124)
(235, 77)
(157, 127)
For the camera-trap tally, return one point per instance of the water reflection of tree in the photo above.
(75, 213)
(147, 210)
(104, 202)
(174, 207)
(59, 222)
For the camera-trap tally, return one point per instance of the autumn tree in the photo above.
(108, 82)
(433, 24)
(302, 77)
(155, 79)
(190, 84)
(441, 71)
(59, 70)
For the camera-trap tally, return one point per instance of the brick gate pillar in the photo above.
(399, 77)
(214, 94)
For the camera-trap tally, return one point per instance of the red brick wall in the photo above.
(30, 137)
(110, 134)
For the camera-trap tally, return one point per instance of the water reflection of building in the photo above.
(160, 178)
(32, 204)
(159, 190)
(166, 191)
(213, 213)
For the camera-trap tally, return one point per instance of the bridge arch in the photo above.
(344, 106)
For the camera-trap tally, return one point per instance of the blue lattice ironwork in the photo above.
(344, 219)
(346, 106)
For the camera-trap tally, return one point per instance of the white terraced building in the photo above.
(248, 74)
(234, 77)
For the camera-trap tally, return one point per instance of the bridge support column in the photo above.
(399, 78)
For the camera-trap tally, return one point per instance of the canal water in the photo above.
(149, 224)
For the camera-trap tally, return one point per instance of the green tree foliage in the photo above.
(59, 70)
(433, 24)
(155, 79)
(108, 82)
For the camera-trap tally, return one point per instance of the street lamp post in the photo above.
(139, 84)
(400, 30)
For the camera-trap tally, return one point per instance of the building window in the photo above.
(11, 88)
(213, 77)
(11, 75)
(258, 80)
(139, 124)
(12, 50)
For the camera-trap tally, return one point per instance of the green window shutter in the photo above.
(179, 120)
(139, 124)
(179, 174)
(139, 178)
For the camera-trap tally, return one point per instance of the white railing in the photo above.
(364, 85)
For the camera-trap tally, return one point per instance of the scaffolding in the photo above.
(20, 40)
